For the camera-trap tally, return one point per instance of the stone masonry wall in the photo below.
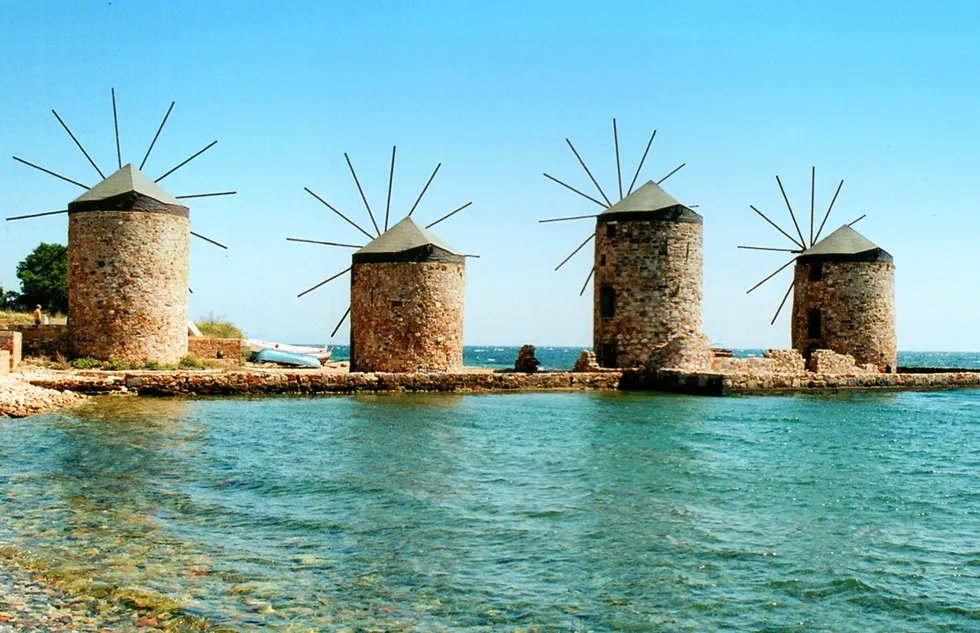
(407, 316)
(825, 361)
(43, 340)
(857, 311)
(655, 269)
(127, 285)
(12, 342)
(204, 347)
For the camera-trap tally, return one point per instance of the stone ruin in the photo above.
(691, 351)
(526, 362)
(586, 362)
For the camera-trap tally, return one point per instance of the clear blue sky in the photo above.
(884, 95)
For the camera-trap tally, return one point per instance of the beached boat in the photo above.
(281, 357)
(255, 346)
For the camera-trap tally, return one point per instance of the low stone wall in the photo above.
(720, 384)
(825, 361)
(226, 348)
(4, 362)
(44, 340)
(218, 383)
(12, 342)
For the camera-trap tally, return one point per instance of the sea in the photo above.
(516, 512)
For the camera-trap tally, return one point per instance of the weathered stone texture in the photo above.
(586, 362)
(687, 351)
(655, 271)
(526, 362)
(12, 342)
(407, 316)
(825, 361)
(43, 340)
(127, 285)
(4, 362)
(229, 349)
(856, 303)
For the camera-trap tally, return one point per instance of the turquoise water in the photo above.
(516, 512)
(561, 358)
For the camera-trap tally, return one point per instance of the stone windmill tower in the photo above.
(406, 294)
(843, 290)
(128, 261)
(648, 269)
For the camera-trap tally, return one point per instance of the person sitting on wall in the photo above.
(37, 315)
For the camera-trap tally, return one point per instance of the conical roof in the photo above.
(845, 245)
(406, 241)
(127, 180)
(649, 202)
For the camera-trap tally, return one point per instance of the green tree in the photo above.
(44, 278)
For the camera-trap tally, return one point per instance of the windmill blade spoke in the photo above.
(299, 239)
(349, 221)
(157, 135)
(827, 215)
(777, 227)
(357, 182)
(391, 180)
(115, 121)
(48, 171)
(858, 220)
(64, 125)
(424, 189)
(791, 214)
(448, 215)
(206, 195)
(574, 217)
(190, 290)
(783, 302)
(813, 186)
(325, 281)
(580, 247)
(208, 239)
(571, 188)
(767, 248)
(473, 256)
(676, 169)
(585, 167)
(640, 166)
(36, 215)
(341, 322)
(209, 146)
(587, 280)
(619, 175)
(776, 272)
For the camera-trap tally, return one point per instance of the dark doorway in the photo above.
(813, 324)
(606, 355)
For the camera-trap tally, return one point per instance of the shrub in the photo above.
(86, 362)
(190, 362)
(219, 327)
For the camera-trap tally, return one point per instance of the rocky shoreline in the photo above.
(19, 398)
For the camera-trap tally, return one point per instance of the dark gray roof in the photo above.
(406, 238)
(844, 244)
(651, 203)
(128, 179)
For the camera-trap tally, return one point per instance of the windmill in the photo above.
(647, 267)
(843, 287)
(128, 256)
(407, 287)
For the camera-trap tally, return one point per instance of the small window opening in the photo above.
(610, 230)
(602, 260)
(607, 302)
(813, 324)
(816, 272)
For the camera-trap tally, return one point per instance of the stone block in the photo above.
(12, 342)
(4, 362)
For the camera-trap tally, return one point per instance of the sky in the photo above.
(882, 95)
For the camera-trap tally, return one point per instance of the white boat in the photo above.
(322, 354)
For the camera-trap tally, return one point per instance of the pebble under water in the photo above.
(515, 512)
